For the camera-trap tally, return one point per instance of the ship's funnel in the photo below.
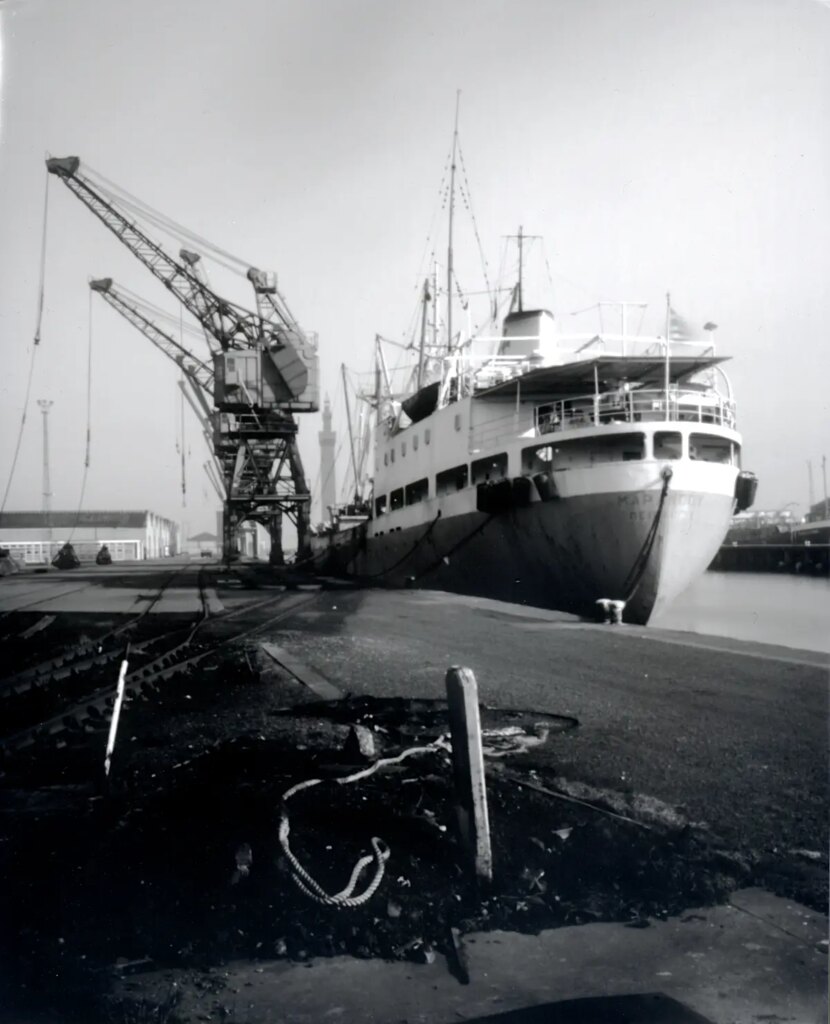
(528, 333)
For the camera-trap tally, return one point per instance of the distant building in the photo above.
(35, 537)
(818, 512)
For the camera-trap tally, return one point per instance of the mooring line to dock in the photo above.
(637, 571)
(456, 547)
(424, 536)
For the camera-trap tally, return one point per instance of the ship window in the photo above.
(451, 480)
(419, 491)
(668, 444)
(494, 467)
(391, 454)
(426, 436)
(583, 452)
(537, 459)
(380, 505)
(396, 499)
(711, 448)
(386, 458)
(403, 449)
(415, 443)
(458, 421)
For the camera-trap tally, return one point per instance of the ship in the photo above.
(595, 472)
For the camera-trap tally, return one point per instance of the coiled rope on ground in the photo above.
(346, 898)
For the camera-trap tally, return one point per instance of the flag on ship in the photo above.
(679, 327)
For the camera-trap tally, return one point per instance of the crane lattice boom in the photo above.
(233, 328)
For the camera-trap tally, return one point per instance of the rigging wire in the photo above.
(35, 346)
(181, 412)
(172, 227)
(20, 430)
(438, 208)
(465, 191)
(42, 286)
(153, 311)
(550, 277)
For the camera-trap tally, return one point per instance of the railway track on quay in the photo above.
(88, 652)
(69, 698)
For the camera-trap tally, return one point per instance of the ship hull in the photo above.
(639, 546)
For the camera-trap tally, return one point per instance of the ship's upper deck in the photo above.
(503, 375)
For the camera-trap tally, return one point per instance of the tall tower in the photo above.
(45, 405)
(328, 483)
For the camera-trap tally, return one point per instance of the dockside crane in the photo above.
(265, 369)
(252, 449)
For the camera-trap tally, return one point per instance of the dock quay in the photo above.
(657, 802)
(807, 559)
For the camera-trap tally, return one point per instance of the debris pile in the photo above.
(184, 866)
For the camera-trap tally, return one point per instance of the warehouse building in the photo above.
(34, 538)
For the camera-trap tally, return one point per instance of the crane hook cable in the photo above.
(88, 423)
(35, 345)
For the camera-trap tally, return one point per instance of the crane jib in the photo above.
(291, 357)
(266, 370)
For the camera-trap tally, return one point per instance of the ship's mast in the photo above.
(422, 347)
(452, 213)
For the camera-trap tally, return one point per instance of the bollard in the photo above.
(116, 712)
(609, 610)
(468, 770)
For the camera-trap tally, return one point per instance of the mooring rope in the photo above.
(637, 571)
(346, 898)
(408, 554)
(456, 547)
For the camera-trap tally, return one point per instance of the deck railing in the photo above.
(505, 427)
(608, 409)
(636, 406)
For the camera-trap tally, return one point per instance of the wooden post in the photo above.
(468, 770)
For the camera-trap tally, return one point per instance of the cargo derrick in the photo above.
(265, 369)
(252, 450)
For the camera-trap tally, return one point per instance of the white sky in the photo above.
(657, 145)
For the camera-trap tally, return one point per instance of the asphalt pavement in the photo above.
(734, 733)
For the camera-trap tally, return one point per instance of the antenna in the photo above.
(45, 405)
(521, 238)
